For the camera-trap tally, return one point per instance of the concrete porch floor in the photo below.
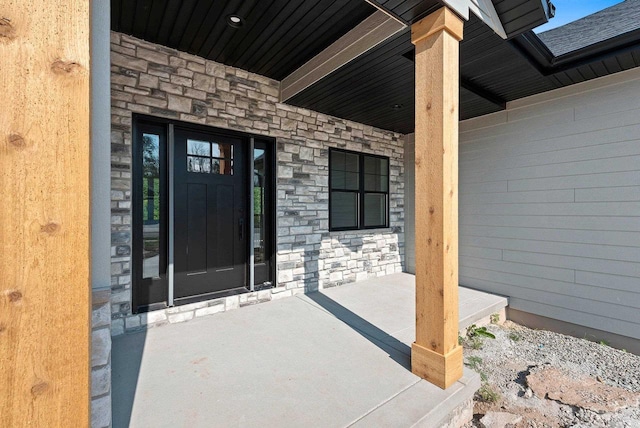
(336, 358)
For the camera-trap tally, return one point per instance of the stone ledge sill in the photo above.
(183, 313)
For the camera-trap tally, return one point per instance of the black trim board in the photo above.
(547, 64)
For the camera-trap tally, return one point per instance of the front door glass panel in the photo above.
(209, 157)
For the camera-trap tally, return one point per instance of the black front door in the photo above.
(210, 223)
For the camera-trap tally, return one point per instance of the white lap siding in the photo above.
(550, 204)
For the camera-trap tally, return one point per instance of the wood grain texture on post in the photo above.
(436, 355)
(44, 213)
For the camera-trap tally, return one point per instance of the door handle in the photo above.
(241, 228)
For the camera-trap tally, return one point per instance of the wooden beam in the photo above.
(369, 33)
(44, 215)
(436, 355)
(483, 93)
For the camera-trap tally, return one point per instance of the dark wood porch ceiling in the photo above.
(409, 11)
(372, 87)
(377, 88)
(276, 37)
(493, 71)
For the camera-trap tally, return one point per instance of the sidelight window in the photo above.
(150, 205)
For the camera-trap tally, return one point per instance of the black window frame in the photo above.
(361, 192)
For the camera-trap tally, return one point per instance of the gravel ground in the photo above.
(517, 351)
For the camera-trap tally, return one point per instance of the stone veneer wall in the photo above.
(101, 359)
(159, 81)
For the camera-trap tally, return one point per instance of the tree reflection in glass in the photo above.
(258, 206)
(151, 205)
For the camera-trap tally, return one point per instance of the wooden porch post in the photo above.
(44, 213)
(436, 355)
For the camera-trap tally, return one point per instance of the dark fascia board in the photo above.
(533, 14)
(534, 51)
(537, 53)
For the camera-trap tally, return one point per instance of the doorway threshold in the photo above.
(181, 301)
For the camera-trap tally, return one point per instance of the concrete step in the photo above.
(425, 405)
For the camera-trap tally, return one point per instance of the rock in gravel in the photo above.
(580, 391)
(499, 420)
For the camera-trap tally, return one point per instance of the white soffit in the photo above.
(369, 33)
(483, 9)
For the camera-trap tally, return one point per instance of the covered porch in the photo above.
(338, 357)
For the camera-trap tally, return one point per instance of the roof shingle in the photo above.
(610, 22)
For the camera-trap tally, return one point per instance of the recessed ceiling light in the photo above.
(235, 21)
(396, 106)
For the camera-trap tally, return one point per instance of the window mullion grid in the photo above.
(360, 192)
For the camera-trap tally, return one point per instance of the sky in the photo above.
(571, 10)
